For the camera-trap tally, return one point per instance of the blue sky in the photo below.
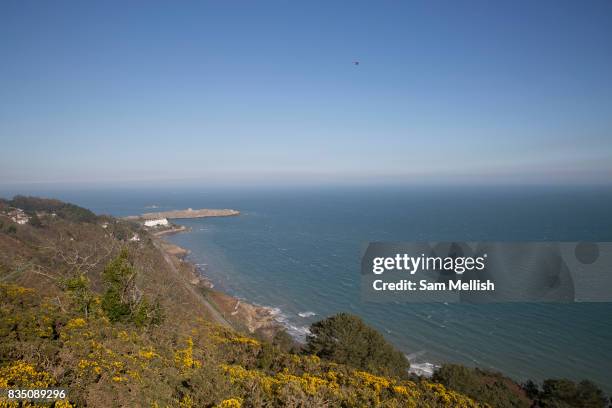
(266, 92)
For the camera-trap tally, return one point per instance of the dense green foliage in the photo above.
(117, 301)
(484, 386)
(79, 292)
(284, 341)
(565, 393)
(122, 300)
(346, 339)
(499, 391)
(35, 221)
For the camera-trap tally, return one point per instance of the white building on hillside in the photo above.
(19, 216)
(156, 223)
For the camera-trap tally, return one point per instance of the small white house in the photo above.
(19, 216)
(156, 223)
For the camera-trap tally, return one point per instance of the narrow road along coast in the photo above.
(210, 308)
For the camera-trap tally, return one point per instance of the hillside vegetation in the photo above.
(86, 307)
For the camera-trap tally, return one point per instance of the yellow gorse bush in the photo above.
(148, 353)
(308, 383)
(20, 374)
(75, 323)
(244, 340)
(184, 358)
(14, 291)
(101, 360)
(230, 403)
(355, 388)
(224, 338)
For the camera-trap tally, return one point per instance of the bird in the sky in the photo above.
(355, 62)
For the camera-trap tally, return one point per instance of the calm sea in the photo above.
(298, 250)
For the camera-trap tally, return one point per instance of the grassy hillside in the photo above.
(86, 306)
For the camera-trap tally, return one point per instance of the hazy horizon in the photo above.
(268, 93)
(155, 189)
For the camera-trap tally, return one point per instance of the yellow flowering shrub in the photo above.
(11, 291)
(184, 357)
(309, 384)
(123, 335)
(148, 353)
(102, 360)
(22, 374)
(230, 403)
(22, 312)
(186, 402)
(440, 394)
(357, 388)
(371, 380)
(227, 337)
(244, 340)
(75, 323)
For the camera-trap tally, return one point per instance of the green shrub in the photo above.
(121, 300)
(119, 276)
(80, 293)
(346, 339)
(284, 341)
(146, 314)
(566, 393)
(483, 386)
(35, 221)
(114, 308)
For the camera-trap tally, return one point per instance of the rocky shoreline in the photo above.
(174, 229)
(242, 315)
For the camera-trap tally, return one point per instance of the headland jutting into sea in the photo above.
(188, 213)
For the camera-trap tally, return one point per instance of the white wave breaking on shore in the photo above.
(299, 333)
(424, 368)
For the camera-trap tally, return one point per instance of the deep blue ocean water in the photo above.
(298, 250)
